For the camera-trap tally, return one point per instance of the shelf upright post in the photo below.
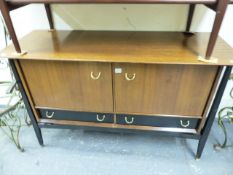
(6, 15)
(49, 16)
(220, 10)
(190, 17)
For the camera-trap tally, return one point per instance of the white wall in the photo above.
(121, 17)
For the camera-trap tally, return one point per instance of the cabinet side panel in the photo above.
(25, 86)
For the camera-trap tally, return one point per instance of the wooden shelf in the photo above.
(109, 46)
(116, 1)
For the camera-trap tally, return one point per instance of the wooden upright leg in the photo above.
(6, 15)
(220, 12)
(49, 15)
(190, 17)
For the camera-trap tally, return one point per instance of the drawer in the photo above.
(173, 122)
(79, 116)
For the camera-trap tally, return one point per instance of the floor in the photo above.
(83, 152)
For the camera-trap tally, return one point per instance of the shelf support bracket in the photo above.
(16, 6)
(210, 60)
(210, 6)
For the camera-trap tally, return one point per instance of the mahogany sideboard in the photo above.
(121, 80)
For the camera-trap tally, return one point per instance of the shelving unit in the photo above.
(218, 6)
(164, 82)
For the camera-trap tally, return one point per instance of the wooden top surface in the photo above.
(117, 1)
(109, 46)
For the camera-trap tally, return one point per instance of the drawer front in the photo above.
(173, 122)
(78, 116)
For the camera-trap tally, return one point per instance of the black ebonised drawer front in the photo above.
(174, 122)
(79, 116)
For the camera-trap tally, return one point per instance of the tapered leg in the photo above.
(190, 17)
(220, 12)
(206, 130)
(6, 15)
(26, 102)
(49, 15)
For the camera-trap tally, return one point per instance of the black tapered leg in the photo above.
(206, 130)
(26, 102)
(49, 15)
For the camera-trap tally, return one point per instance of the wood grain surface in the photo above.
(163, 89)
(68, 85)
(128, 47)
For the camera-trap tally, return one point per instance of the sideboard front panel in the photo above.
(70, 85)
(163, 89)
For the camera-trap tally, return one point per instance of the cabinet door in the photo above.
(163, 89)
(70, 85)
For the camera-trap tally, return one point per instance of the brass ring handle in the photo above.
(100, 119)
(184, 125)
(95, 77)
(129, 122)
(49, 115)
(130, 79)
